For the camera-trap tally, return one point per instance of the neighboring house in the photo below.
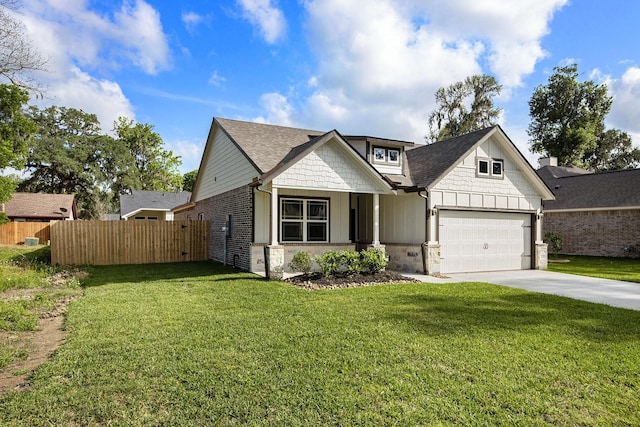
(153, 205)
(38, 207)
(471, 203)
(596, 214)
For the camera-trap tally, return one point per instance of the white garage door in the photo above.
(484, 241)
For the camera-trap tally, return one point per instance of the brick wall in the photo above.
(238, 203)
(614, 233)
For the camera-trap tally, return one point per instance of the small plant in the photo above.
(555, 242)
(301, 262)
(350, 261)
(329, 262)
(373, 260)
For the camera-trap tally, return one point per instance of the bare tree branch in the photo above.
(18, 57)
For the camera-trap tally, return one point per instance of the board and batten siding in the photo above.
(226, 168)
(462, 188)
(402, 219)
(338, 213)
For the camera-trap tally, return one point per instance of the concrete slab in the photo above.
(603, 291)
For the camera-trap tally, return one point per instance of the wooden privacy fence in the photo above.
(14, 233)
(128, 242)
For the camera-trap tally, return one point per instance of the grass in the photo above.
(199, 344)
(626, 269)
(23, 268)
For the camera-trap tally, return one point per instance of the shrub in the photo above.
(350, 261)
(329, 262)
(373, 260)
(301, 262)
(555, 241)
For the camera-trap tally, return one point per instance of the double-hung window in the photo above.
(304, 220)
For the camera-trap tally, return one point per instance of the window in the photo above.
(200, 216)
(389, 156)
(493, 168)
(304, 220)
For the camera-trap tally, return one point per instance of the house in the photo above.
(155, 205)
(471, 203)
(596, 214)
(39, 207)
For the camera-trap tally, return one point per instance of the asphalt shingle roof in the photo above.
(612, 189)
(429, 162)
(266, 145)
(40, 206)
(140, 199)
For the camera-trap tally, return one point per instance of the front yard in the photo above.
(200, 344)
(626, 269)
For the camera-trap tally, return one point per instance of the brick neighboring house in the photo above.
(471, 203)
(154, 205)
(39, 207)
(596, 214)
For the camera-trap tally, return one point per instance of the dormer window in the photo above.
(490, 168)
(389, 156)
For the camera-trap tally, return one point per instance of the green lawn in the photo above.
(198, 344)
(626, 269)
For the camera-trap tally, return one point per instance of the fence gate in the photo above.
(128, 242)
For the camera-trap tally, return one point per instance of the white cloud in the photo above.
(625, 112)
(380, 62)
(191, 20)
(190, 153)
(216, 79)
(278, 109)
(268, 18)
(79, 41)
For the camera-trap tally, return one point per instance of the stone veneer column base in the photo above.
(431, 258)
(541, 261)
(274, 262)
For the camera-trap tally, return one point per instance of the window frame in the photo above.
(386, 155)
(304, 220)
(490, 163)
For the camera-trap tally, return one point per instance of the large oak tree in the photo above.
(568, 122)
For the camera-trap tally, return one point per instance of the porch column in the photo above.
(376, 219)
(274, 216)
(541, 255)
(274, 254)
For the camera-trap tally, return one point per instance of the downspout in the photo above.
(425, 245)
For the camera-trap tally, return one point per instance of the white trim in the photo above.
(144, 209)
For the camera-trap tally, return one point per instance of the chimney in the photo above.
(547, 161)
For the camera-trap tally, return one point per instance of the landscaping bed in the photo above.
(314, 281)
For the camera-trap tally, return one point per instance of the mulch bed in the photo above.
(314, 281)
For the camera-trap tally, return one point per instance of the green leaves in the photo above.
(567, 122)
(464, 107)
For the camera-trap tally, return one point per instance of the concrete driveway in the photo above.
(611, 292)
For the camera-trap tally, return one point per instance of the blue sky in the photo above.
(360, 67)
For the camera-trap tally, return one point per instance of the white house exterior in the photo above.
(472, 203)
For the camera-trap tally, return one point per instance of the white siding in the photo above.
(225, 169)
(462, 188)
(330, 167)
(402, 219)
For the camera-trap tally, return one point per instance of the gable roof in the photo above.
(273, 149)
(428, 163)
(588, 191)
(151, 200)
(265, 146)
(41, 206)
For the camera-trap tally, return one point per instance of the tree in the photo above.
(464, 107)
(156, 168)
(18, 57)
(15, 131)
(189, 180)
(567, 122)
(65, 157)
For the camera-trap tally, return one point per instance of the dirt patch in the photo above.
(39, 344)
(314, 281)
(35, 347)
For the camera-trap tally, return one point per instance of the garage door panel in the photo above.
(484, 241)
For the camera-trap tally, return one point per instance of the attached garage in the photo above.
(484, 241)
